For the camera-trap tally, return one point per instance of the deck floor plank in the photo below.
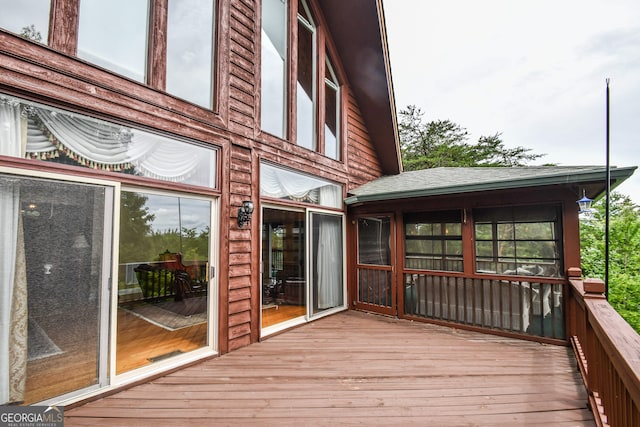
(360, 369)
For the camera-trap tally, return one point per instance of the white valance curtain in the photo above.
(284, 184)
(45, 133)
(13, 283)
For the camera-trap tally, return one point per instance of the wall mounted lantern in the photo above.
(244, 213)
(584, 204)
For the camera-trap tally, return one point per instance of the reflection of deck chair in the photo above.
(186, 282)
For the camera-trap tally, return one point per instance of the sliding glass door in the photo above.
(327, 262)
(54, 267)
(284, 257)
(302, 265)
(163, 277)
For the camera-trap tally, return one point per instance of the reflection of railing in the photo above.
(162, 280)
(533, 307)
(608, 353)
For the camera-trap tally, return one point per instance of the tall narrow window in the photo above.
(305, 87)
(331, 111)
(113, 35)
(274, 66)
(28, 18)
(190, 50)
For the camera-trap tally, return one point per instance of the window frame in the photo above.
(323, 50)
(63, 33)
(436, 219)
(520, 264)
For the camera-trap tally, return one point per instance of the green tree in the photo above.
(30, 33)
(135, 226)
(444, 143)
(624, 253)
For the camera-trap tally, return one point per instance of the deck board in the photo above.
(360, 369)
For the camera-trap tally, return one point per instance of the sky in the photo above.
(534, 71)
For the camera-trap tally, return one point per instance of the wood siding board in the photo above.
(240, 318)
(239, 306)
(239, 294)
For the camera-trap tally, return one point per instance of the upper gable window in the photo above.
(28, 18)
(305, 88)
(315, 117)
(190, 50)
(331, 111)
(113, 35)
(274, 67)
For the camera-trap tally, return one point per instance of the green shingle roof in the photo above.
(441, 181)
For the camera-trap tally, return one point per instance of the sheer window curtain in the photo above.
(329, 261)
(329, 252)
(13, 283)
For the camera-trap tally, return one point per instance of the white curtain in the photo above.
(329, 261)
(13, 286)
(281, 183)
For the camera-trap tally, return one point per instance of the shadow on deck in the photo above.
(355, 368)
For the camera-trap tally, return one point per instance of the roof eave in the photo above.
(618, 175)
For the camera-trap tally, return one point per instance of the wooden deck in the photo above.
(361, 369)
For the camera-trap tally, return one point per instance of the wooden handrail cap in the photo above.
(593, 286)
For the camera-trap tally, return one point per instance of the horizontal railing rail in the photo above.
(608, 353)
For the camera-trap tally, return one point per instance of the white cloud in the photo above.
(533, 70)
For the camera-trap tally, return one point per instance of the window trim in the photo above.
(324, 49)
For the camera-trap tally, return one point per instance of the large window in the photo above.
(525, 241)
(60, 136)
(113, 35)
(127, 37)
(29, 18)
(190, 50)
(274, 67)
(317, 109)
(434, 241)
(286, 184)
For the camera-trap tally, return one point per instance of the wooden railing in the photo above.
(532, 306)
(608, 353)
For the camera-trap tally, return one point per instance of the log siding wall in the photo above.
(54, 76)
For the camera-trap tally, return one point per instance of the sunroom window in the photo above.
(434, 241)
(306, 88)
(331, 111)
(524, 241)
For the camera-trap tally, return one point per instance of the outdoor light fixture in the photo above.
(244, 213)
(585, 204)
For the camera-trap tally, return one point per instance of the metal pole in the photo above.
(606, 227)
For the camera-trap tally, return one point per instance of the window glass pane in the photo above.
(533, 231)
(433, 242)
(273, 68)
(527, 242)
(51, 285)
(374, 241)
(331, 146)
(113, 35)
(29, 18)
(305, 89)
(190, 30)
(64, 137)
(285, 184)
(163, 278)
